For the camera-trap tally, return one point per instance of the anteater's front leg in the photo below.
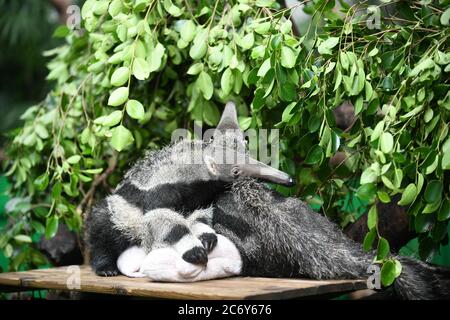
(105, 241)
(200, 223)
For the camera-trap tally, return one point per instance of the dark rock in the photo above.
(63, 249)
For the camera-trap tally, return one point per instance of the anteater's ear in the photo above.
(229, 118)
(211, 165)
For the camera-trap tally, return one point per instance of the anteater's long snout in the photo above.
(262, 171)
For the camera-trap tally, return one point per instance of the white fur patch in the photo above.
(200, 228)
(125, 217)
(130, 261)
(186, 243)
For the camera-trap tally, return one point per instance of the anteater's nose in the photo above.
(291, 182)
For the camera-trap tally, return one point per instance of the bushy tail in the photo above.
(422, 281)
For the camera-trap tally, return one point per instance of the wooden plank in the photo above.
(66, 278)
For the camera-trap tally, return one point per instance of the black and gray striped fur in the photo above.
(148, 208)
(283, 237)
(154, 201)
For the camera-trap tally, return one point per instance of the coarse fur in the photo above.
(117, 223)
(283, 237)
(180, 178)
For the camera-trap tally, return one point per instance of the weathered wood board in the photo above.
(81, 278)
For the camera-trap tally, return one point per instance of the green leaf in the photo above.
(205, 85)
(386, 142)
(286, 27)
(445, 17)
(409, 194)
(358, 105)
(388, 273)
(226, 82)
(247, 41)
(372, 217)
(288, 92)
(51, 226)
(427, 248)
(8, 251)
(368, 90)
(424, 64)
(433, 192)
(245, 122)
(382, 249)
(366, 192)
(172, 9)
(115, 8)
(101, 7)
(135, 109)
(315, 155)
(195, 69)
(265, 66)
(446, 161)
(343, 58)
(439, 231)
(423, 223)
(110, 120)
(120, 76)
(326, 46)
(187, 32)
(373, 52)
(262, 28)
(118, 97)
(141, 69)
(377, 131)
(384, 197)
(22, 238)
(368, 239)
(56, 190)
(432, 207)
(156, 57)
(288, 57)
(61, 32)
(388, 83)
(41, 182)
(41, 131)
(314, 123)
(287, 115)
(93, 171)
(211, 114)
(398, 268)
(368, 176)
(199, 47)
(121, 138)
(444, 212)
(73, 159)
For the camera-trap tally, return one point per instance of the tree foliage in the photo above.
(145, 67)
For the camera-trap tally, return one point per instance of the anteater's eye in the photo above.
(235, 171)
(211, 139)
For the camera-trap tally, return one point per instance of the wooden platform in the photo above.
(81, 278)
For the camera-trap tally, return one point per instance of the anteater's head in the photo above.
(226, 155)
